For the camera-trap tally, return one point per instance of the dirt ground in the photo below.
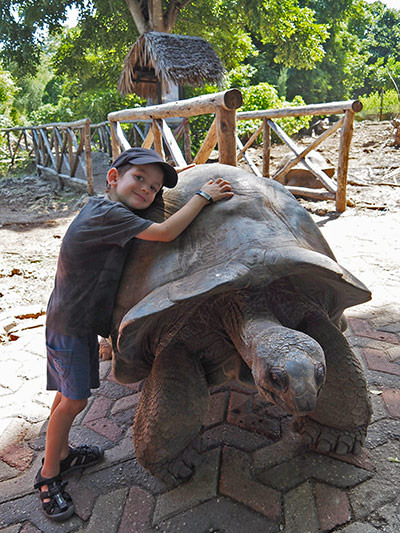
(34, 217)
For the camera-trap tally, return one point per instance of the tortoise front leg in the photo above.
(170, 414)
(343, 411)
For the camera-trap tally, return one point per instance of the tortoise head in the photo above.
(288, 368)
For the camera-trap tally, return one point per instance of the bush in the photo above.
(264, 96)
(372, 105)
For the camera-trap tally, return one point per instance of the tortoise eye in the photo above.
(279, 378)
(319, 374)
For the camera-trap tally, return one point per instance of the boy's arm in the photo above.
(172, 227)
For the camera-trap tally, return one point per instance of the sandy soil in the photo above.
(34, 217)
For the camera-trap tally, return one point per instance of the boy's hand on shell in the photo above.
(218, 189)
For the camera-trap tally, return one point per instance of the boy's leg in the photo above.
(63, 413)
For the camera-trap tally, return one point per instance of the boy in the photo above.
(89, 268)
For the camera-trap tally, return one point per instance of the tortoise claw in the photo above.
(325, 439)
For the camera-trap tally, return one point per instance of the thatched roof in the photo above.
(165, 57)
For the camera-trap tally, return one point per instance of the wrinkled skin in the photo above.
(252, 292)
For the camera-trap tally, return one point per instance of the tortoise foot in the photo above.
(327, 439)
(182, 467)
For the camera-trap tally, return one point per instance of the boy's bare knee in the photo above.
(73, 406)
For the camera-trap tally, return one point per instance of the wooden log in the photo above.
(319, 174)
(187, 145)
(290, 164)
(88, 158)
(123, 141)
(200, 105)
(47, 146)
(315, 194)
(226, 134)
(249, 143)
(344, 149)
(247, 158)
(172, 145)
(208, 144)
(157, 132)
(149, 139)
(114, 141)
(266, 148)
(331, 108)
(63, 177)
(61, 125)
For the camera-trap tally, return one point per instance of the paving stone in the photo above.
(127, 402)
(376, 361)
(394, 353)
(359, 527)
(29, 528)
(107, 512)
(17, 456)
(137, 512)
(82, 497)
(387, 517)
(217, 407)
(366, 342)
(122, 451)
(332, 506)
(237, 483)
(241, 413)
(12, 529)
(234, 436)
(391, 397)
(9, 377)
(379, 410)
(84, 435)
(112, 390)
(124, 474)
(370, 495)
(218, 515)
(300, 510)
(14, 430)
(105, 427)
(381, 432)
(290, 446)
(99, 408)
(7, 472)
(363, 460)
(201, 487)
(363, 328)
(28, 509)
(104, 369)
(313, 466)
(392, 327)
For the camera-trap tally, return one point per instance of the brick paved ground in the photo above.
(255, 475)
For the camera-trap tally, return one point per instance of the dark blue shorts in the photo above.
(72, 364)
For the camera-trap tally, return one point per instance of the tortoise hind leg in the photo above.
(170, 414)
(339, 422)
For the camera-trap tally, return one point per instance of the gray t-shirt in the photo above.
(90, 266)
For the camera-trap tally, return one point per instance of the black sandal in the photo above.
(81, 457)
(60, 506)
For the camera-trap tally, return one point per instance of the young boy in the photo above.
(89, 268)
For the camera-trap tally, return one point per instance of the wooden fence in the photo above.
(60, 148)
(329, 189)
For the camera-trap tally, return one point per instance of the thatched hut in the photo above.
(159, 61)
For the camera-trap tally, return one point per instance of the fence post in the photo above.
(226, 133)
(88, 157)
(343, 164)
(266, 148)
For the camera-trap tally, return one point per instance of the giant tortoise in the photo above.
(250, 291)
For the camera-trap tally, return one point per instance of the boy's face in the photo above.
(137, 187)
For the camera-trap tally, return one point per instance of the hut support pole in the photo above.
(158, 142)
(266, 148)
(344, 150)
(226, 134)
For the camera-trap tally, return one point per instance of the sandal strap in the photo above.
(81, 456)
(59, 500)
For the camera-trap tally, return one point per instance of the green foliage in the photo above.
(379, 104)
(264, 96)
(7, 91)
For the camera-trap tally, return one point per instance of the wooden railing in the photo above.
(330, 189)
(223, 129)
(60, 148)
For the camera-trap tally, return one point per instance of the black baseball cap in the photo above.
(144, 156)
